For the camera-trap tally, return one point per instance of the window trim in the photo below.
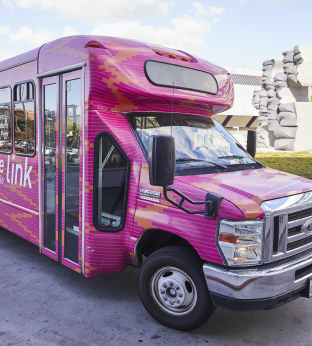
(95, 190)
(135, 133)
(12, 117)
(35, 115)
(178, 87)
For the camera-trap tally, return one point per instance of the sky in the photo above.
(236, 33)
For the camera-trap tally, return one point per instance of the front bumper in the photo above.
(264, 287)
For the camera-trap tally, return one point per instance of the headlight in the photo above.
(241, 242)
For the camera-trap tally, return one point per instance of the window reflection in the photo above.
(24, 119)
(198, 139)
(73, 93)
(50, 104)
(111, 184)
(5, 121)
(24, 128)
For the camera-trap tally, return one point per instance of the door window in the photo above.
(73, 95)
(111, 183)
(50, 105)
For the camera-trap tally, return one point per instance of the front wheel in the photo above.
(173, 289)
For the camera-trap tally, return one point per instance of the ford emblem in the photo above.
(307, 227)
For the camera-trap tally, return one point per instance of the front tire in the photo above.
(173, 288)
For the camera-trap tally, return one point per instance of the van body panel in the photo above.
(20, 59)
(248, 189)
(19, 199)
(107, 251)
(199, 231)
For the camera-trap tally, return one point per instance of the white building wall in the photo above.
(242, 111)
(242, 101)
(244, 71)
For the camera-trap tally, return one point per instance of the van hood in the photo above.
(248, 189)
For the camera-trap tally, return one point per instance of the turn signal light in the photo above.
(185, 59)
(172, 56)
(228, 238)
(160, 53)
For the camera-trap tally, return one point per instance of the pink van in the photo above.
(109, 157)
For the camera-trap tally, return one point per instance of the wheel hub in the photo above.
(174, 291)
(170, 292)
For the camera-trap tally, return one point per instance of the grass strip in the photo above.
(295, 163)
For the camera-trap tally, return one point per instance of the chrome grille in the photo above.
(294, 231)
(299, 214)
(299, 243)
(284, 232)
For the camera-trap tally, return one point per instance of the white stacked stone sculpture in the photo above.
(285, 101)
(268, 105)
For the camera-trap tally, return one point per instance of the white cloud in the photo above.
(97, 11)
(4, 30)
(215, 11)
(202, 10)
(70, 31)
(185, 33)
(36, 38)
(243, 1)
(215, 20)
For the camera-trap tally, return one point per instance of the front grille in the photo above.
(298, 243)
(284, 226)
(294, 231)
(300, 273)
(275, 234)
(301, 214)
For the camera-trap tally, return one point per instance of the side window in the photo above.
(24, 119)
(5, 121)
(110, 184)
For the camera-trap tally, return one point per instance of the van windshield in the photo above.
(199, 140)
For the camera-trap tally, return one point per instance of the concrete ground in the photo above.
(45, 303)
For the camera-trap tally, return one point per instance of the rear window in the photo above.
(180, 77)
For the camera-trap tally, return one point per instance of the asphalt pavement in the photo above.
(44, 303)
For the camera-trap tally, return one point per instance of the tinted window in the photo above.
(24, 119)
(169, 75)
(5, 120)
(110, 181)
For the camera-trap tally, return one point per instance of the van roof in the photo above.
(119, 64)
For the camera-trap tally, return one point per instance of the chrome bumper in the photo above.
(259, 283)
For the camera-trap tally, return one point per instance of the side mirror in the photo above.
(252, 142)
(161, 160)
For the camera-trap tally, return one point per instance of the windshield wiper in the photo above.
(232, 156)
(213, 163)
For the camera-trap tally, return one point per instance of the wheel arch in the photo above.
(154, 239)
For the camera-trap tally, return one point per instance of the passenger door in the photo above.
(62, 170)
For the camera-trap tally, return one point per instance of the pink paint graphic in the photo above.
(115, 84)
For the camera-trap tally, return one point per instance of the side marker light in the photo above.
(228, 238)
